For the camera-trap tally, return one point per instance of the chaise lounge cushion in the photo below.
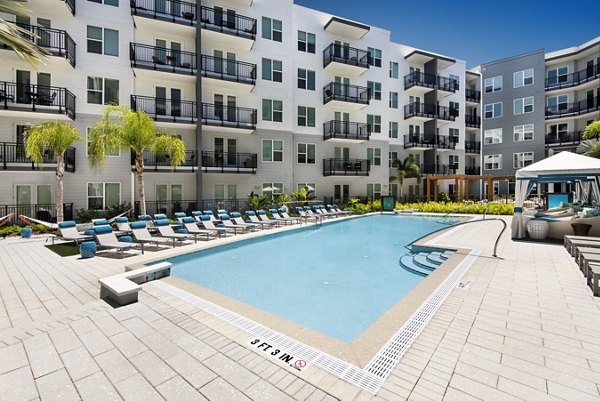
(67, 224)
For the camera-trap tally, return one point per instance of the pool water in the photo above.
(337, 279)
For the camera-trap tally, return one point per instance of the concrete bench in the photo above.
(593, 277)
(123, 288)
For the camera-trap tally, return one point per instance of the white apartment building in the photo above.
(267, 95)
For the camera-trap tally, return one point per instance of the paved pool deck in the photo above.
(525, 327)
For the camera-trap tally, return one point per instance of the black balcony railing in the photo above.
(162, 59)
(225, 162)
(438, 169)
(227, 22)
(346, 167)
(166, 207)
(71, 5)
(563, 138)
(573, 109)
(228, 70)
(38, 211)
(472, 121)
(418, 141)
(472, 95)
(166, 110)
(231, 205)
(56, 41)
(472, 147)
(50, 98)
(345, 93)
(472, 170)
(576, 78)
(13, 157)
(162, 162)
(430, 111)
(346, 55)
(180, 12)
(228, 116)
(417, 78)
(336, 129)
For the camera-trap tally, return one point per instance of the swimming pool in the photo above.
(337, 279)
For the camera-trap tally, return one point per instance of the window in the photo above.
(272, 29)
(393, 129)
(558, 131)
(493, 84)
(455, 80)
(523, 78)
(393, 103)
(102, 91)
(374, 56)
(272, 110)
(306, 153)
(393, 156)
(310, 186)
(522, 159)
(373, 191)
(272, 189)
(307, 42)
(272, 70)
(557, 75)
(493, 110)
(220, 191)
(306, 116)
(453, 162)
(113, 153)
(557, 104)
(492, 136)
(374, 89)
(522, 106)
(272, 150)
(101, 195)
(454, 106)
(374, 156)
(306, 79)
(453, 134)
(107, 2)
(102, 41)
(374, 123)
(523, 133)
(393, 69)
(492, 162)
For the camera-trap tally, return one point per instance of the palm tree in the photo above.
(121, 127)
(52, 138)
(17, 38)
(406, 168)
(590, 146)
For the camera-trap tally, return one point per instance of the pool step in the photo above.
(423, 263)
(435, 257)
(447, 254)
(421, 260)
(407, 263)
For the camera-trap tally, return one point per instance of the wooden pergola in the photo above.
(461, 184)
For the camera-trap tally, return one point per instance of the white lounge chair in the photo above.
(107, 239)
(68, 232)
(304, 214)
(238, 220)
(226, 220)
(191, 225)
(210, 225)
(283, 212)
(262, 215)
(140, 232)
(122, 224)
(284, 220)
(166, 231)
(254, 219)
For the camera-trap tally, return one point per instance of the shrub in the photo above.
(86, 215)
(16, 230)
(467, 207)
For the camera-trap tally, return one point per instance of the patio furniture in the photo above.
(581, 229)
(538, 229)
(87, 249)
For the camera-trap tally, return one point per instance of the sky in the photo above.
(477, 31)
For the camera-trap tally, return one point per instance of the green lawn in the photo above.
(68, 249)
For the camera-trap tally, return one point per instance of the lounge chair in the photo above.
(278, 217)
(283, 212)
(191, 225)
(237, 219)
(210, 225)
(196, 214)
(166, 231)
(254, 219)
(336, 208)
(179, 216)
(147, 219)
(309, 211)
(104, 222)
(160, 216)
(300, 210)
(107, 239)
(140, 232)
(262, 215)
(226, 220)
(122, 224)
(211, 214)
(322, 210)
(68, 232)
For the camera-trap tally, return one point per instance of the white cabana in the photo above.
(562, 167)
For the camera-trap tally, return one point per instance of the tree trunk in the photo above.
(58, 193)
(139, 172)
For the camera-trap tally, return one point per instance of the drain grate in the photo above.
(370, 378)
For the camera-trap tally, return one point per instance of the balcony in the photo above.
(227, 28)
(224, 162)
(472, 170)
(472, 147)
(472, 121)
(472, 95)
(12, 157)
(572, 109)
(37, 98)
(166, 110)
(56, 41)
(576, 78)
(346, 131)
(440, 169)
(424, 112)
(347, 167)
(162, 59)
(563, 139)
(344, 60)
(353, 95)
(179, 12)
(70, 5)
(162, 162)
(425, 82)
(228, 74)
(418, 141)
(221, 117)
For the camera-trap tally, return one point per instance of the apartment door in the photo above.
(231, 109)
(590, 99)
(43, 38)
(23, 86)
(20, 141)
(414, 103)
(341, 193)
(44, 93)
(160, 52)
(175, 56)
(160, 100)
(224, 146)
(415, 74)
(341, 49)
(218, 107)
(224, 17)
(175, 102)
(341, 156)
(589, 69)
(341, 86)
(341, 122)
(44, 195)
(23, 195)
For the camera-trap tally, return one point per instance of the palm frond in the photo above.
(17, 38)
(53, 136)
(172, 146)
